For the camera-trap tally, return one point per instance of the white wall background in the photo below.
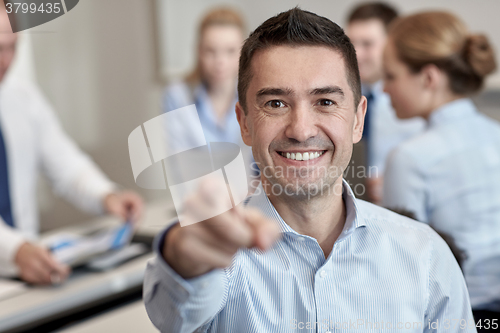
(178, 22)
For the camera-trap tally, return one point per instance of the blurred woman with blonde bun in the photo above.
(449, 176)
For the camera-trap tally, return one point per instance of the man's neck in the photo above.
(321, 217)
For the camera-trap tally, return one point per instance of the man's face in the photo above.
(7, 43)
(369, 38)
(299, 103)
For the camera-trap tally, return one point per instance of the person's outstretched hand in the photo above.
(198, 248)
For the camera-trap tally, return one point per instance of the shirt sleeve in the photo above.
(448, 306)
(175, 304)
(73, 175)
(404, 189)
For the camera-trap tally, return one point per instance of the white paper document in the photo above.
(75, 249)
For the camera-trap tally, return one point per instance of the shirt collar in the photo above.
(352, 221)
(452, 111)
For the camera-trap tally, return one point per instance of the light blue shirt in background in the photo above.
(449, 177)
(386, 273)
(180, 94)
(386, 130)
(180, 135)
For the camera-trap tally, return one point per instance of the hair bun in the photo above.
(480, 55)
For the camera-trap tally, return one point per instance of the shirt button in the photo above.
(204, 284)
(322, 274)
(301, 239)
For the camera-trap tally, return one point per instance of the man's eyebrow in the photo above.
(327, 90)
(274, 91)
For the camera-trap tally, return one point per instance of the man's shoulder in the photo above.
(21, 97)
(14, 86)
(415, 239)
(390, 223)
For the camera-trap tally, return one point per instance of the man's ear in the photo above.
(359, 120)
(242, 120)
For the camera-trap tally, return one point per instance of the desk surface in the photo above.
(131, 318)
(41, 304)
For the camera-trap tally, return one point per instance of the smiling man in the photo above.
(304, 253)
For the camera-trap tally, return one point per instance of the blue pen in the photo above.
(122, 235)
(61, 245)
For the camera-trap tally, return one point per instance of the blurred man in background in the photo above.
(32, 140)
(383, 131)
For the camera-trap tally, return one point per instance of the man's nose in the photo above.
(302, 124)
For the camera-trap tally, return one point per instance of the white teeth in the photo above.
(302, 156)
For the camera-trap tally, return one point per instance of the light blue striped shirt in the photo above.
(449, 177)
(385, 273)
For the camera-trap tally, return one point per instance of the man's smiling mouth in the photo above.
(302, 156)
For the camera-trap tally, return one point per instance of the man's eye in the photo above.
(326, 102)
(275, 104)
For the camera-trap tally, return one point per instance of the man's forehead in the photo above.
(296, 50)
(300, 65)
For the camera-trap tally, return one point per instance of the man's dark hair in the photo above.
(298, 27)
(374, 10)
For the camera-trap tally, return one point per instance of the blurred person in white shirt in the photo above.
(32, 141)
